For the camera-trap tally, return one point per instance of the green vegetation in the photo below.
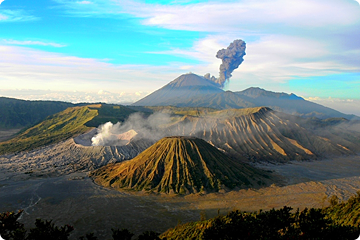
(53, 129)
(12, 229)
(229, 113)
(63, 125)
(183, 111)
(315, 223)
(15, 113)
(181, 165)
(109, 113)
(274, 224)
(345, 213)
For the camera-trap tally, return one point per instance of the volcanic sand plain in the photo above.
(72, 197)
(6, 134)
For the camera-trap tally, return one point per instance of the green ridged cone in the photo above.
(180, 165)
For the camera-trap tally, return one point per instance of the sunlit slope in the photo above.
(64, 125)
(180, 165)
(345, 213)
(258, 134)
(339, 221)
(109, 113)
(55, 128)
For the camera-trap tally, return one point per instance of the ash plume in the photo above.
(231, 58)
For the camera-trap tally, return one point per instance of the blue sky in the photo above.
(120, 50)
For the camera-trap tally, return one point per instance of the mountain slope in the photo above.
(184, 87)
(289, 103)
(190, 90)
(54, 129)
(260, 134)
(180, 165)
(256, 97)
(15, 113)
(64, 125)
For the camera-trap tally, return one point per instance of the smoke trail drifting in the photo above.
(231, 58)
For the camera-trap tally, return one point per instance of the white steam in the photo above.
(137, 125)
(106, 134)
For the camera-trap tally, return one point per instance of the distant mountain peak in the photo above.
(255, 92)
(191, 90)
(191, 79)
(183, 87)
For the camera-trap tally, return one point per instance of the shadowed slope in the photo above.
(191, 90)
(180, 165)
(16, 113)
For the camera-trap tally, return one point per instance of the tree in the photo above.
(89, 236)
(122, 234)
(149, 235)
(45, 230)
(10, 228)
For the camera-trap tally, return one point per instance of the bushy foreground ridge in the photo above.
(338, 221)
(11, 229)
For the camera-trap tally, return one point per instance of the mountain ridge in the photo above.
(203, 93)
(18, 113)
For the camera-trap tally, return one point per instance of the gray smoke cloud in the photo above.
(231, 58)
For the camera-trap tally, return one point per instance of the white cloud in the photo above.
(84, 2)
(234, 15)
(72, 96)
(15, 16)
(228, 16)
(284, 38)
(271, 58)
(3, 17)
(1, 1)
(34, 69)
(348, 106)
(29, 42)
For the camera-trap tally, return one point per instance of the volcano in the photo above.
(191, 90)
(179, 90)
(180, 165)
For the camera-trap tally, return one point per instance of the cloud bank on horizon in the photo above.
(129, 46)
